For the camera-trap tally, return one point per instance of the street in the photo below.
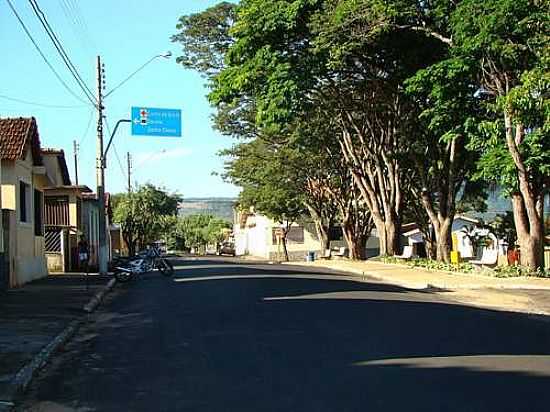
(229, 335)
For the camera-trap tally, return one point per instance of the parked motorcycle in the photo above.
(144, 262)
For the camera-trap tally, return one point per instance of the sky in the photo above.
(125, 34)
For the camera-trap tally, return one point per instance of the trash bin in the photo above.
(310, 256)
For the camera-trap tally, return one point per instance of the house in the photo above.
(90, 227)
(23, 179)
(62, 214)
(463, 228)
(257, 235)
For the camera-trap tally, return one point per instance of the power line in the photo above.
(61, 51)
(81, 21)
(85, 134)
(53, 106)
(29, 35)
(75, 27)
(116, 153)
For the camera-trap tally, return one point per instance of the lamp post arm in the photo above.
(113, 135)
(131, 75)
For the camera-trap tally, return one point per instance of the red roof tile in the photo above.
(15, 136)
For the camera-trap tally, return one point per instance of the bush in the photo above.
(465, 267)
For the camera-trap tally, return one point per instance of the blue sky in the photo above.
(126, 34)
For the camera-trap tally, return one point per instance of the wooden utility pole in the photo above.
(75, 149)
(129, 161)
(100, 173)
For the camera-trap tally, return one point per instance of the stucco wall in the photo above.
(27, 257)
(256, 239)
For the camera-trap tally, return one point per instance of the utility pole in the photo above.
(100, 172)
(129, 159)
(75, 149)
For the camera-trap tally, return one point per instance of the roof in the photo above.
(62, 163)
(85, 190)
(16, 134)
(89, 196)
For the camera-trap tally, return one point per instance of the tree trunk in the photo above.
(444, 240)
(530, 237)
(527, 203)
(392, 236)
(431, 248)
(381, 233)
(285, 250)
(322, 232)
(356, 242)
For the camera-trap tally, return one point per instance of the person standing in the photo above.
(83, 253)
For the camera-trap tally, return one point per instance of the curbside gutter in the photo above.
(23, 377)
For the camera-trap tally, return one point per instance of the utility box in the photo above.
(455, 257)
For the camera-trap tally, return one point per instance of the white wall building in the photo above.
(256, 235)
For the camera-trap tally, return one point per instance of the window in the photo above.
(38, 213)
(295, 235)
(24, 204)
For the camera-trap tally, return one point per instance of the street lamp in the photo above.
(103, 255)
(165, 55)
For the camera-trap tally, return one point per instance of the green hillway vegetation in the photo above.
(375, 113)
(149, 214)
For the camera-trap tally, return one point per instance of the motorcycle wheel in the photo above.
(166, 268)
(122, 276)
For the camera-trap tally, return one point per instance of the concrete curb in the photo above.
(96, 300)
(24, 376)
(420, 284)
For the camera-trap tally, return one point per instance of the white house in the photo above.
(256, 235)
(415, 237)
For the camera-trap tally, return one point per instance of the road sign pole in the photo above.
(100, 173)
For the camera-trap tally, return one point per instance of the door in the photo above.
(5, 255)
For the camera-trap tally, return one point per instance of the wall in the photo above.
(256, 240)
(90, 228)
(51, 163)
(27, 258)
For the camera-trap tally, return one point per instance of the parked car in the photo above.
(227, 248)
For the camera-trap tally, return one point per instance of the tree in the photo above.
(200, 230)
(509, 40)
(205, 38)
(268, 185)
(139, 215)
(441, 162)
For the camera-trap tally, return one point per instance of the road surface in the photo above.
(224, 335)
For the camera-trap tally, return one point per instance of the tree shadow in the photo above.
(249, 343)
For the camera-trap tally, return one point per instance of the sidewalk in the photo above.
(523, 294)
(31, 317)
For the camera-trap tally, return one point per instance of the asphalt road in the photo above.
(226, 336)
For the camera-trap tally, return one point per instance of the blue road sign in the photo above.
(150, 121)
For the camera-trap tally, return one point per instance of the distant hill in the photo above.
(221, 207)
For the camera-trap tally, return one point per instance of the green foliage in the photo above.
(418, 87)
(200, 230)
(205, 38)
(518, 271)
(139, 214)
(429, 264)
(269, 184)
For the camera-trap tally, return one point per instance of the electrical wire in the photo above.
(116, 153)
(85, 134)
(61, 51)
(53, 106)
(75, 27)
(29, 35)
(81, 21)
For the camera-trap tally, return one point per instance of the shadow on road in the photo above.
(227, 337)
